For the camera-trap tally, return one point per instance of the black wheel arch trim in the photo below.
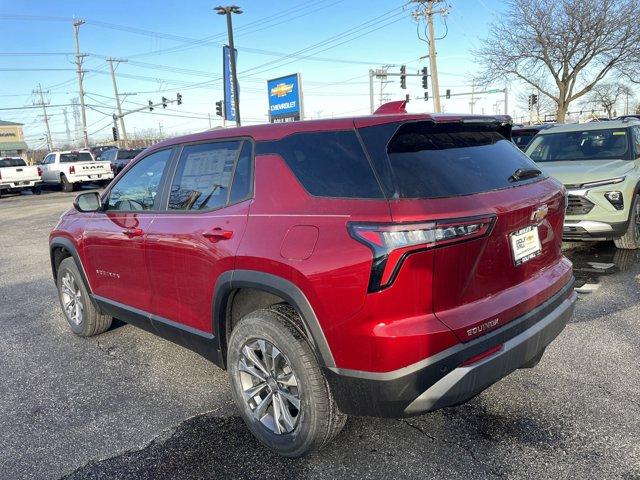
(232, 280)
(69, 246)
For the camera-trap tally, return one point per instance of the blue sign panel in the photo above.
(285, 98)
(229, 92)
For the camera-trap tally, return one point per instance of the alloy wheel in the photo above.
(72, 299)
(269, 386)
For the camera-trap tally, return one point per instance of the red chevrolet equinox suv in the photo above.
(386, 265)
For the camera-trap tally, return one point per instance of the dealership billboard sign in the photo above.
(285, 99)
(229, 91)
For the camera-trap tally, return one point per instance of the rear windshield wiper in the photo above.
(524, 173)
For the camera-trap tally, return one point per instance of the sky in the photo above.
(177, 47)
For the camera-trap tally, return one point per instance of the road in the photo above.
(127, 405)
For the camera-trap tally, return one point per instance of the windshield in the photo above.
(12, 162)
(522, 139)
(604, 144)
(76, 157)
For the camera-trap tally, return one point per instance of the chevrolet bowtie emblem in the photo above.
(540, 213)
(282, 89)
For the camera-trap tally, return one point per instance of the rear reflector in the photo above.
(390, 243)
(483, 355)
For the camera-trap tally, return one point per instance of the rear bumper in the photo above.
(20, 184)
(441, 381)
(94, 177)
(593, 230)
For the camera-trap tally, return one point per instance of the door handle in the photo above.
(133, 232)
(218, 234)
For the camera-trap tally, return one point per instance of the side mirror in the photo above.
(88, 202)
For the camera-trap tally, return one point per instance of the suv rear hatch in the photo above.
(493, 221)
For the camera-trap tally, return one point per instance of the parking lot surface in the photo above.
(126, 404)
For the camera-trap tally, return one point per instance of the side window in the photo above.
(241, 187)
(203, 176)
(328, 164)
(636, 141)
(137, 189)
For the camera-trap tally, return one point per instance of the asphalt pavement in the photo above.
(128, 405)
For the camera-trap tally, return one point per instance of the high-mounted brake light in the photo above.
(391, 243)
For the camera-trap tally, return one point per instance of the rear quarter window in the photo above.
(427, 160)
(327, 164)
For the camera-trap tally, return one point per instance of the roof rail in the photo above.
(391, 108)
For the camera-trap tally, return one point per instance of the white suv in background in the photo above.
(72, 168)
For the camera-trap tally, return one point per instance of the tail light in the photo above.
(391, 243)
(72, 169)
(39, 171)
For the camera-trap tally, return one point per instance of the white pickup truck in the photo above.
(70, 169)
(16, 175)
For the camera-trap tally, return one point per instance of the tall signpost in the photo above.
(233, 75)
(285, 99)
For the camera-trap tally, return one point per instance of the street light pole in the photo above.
(234, 76)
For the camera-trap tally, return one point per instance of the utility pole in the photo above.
(79, 59)
(66, 126)
(123, 131)
(41, 102)
(77, 126)
(427, 10)
(232, 53)
(371, 75)
(506, 101)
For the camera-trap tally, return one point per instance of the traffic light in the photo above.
(150, 106)
(179, 98)
(534, 99)
(114, 130)
(425, 78)
(219, 108)
(407, 98)
(403, 77)
(448, 93)
(426, 96)
(164, 102)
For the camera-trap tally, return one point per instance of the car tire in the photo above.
(293, 390)
(631, 239)
(77, 307)
(66, 185)
(36, 190)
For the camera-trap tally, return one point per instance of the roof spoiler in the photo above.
(391, 108)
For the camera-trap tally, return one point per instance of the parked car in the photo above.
(70, 169)
(98, 150)
(16, 175)
(522, 135)
(120, 157)
(599, 163)
(386, 266)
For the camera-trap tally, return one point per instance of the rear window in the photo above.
(12, 162)
(427, 160)
(75, 157)
(327, 164)
(127, 154)
(604, 144)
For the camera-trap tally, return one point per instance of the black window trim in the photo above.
(156, 201)
(171, 173)
(268, 151)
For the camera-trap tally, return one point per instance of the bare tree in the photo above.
(607, 95)
(570, 45)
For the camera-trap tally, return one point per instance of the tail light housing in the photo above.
(392, 242)
(72, 169)
(39, 171)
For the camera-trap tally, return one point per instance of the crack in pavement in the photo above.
(161, 438)
(486, 467)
